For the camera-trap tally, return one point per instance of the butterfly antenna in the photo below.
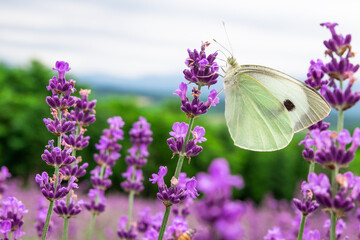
(222, 47)
(227, 36)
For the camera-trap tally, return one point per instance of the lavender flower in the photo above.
(108, 154)
(195, 107)
(176, 193)
(216, 208)
(178, 228)
(339, 68)
(84, 113)
(48, 188)
(331, 151)
(65, 210)
(202, 69)
(344, 199)
(133, 184)
(315, 75)
(11, 215)
(97, 201)
(340, 227)
(306, 205)
(274, 234)
(341, 100)
(176, 142)
(56, 156)
(4, 174)
(122, 232)
(140, 137)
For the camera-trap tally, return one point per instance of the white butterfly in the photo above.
(265, 107)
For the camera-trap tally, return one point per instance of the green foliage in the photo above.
(23, 136)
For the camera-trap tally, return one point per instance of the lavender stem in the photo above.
(334, 173)
(92, 223)
(164, 222)
(66, 220)
(48, 216)
(302, 226)
(131, 201)
(51, 204)
(177, 173)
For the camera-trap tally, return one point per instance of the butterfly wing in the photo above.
(256, 119)
(304, 104)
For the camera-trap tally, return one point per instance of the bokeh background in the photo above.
(131, 55)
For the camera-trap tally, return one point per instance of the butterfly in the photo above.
(265, 107)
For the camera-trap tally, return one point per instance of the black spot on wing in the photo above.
(289, 105)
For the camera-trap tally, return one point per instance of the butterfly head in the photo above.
(232, 62)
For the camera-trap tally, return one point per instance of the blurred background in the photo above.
(131, 55)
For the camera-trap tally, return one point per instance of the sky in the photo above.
(144, 43)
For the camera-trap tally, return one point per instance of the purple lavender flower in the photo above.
(108, 154)
(339, 99)
(306, 205)
(11, 215)
(97, 201)
(48, 188)
(274, 234)
(312, 235)
(177, 192)
(315, 75)
(219, 180)
(195, 107)
(178, 228)
(61, 67)
(4, 174)
(122, 232)
(140, 137)
(74, 171)
(344, 199)
(133, 184)
(337, 44)
(56, 156)
(202, 69)
(84, 113)
(331, 151)
(68, 210)
(176, 143)
(59, 128)
(60, 103)
(101, 181)
(216, 208)
(340, 227)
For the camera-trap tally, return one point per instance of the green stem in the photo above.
(164, 222)
(312, 166)
(10, 235)
(47, 221)
(66, 228)
(181, 157)
(334, 173)
(340, 125)
(66, 220)
(131, 200)
(177, 173)
(51, 204)
(92, 223)
(302, 226)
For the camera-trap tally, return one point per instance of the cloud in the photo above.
(133, 39)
